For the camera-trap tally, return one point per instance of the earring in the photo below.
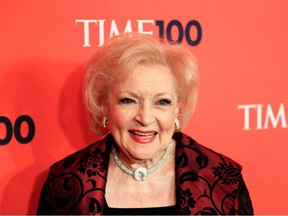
(177, 124)
(105, 122)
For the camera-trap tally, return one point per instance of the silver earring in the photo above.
(177, 124)
(105, 122)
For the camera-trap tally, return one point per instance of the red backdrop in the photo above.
(242, 111)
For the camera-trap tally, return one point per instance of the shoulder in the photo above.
(197, 163)
(201, 155)
(77, 180)
(84, 160)
(211, 181)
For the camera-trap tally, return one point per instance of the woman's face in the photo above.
(141, 109)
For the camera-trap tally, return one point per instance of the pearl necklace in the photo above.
(141, 173)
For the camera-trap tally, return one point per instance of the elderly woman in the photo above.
(140, 93)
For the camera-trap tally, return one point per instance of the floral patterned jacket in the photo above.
(206, 182)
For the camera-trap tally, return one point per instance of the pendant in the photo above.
(140, 174)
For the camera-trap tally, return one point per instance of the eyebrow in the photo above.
(135, 94)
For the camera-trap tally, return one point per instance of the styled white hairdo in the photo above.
(120, 54)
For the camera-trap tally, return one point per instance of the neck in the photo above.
(141, 173)
(133, 163)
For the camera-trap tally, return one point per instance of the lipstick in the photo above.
(143, 137)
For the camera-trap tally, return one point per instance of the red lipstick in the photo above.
(142, 137)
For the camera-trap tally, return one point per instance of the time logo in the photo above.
(8, 129)
(174, 31)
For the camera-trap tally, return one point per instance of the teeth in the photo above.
(143, 134)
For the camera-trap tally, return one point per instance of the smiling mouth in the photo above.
(143, 134)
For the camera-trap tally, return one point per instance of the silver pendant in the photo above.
(140, 174)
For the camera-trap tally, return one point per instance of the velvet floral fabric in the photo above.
(206, 182)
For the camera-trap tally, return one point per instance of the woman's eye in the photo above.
(164, 102)
(126, 101)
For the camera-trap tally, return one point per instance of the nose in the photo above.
(145, 115)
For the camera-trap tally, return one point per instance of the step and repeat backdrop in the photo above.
(242, 110)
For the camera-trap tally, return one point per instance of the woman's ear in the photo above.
(105, 109)
(178, 109)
